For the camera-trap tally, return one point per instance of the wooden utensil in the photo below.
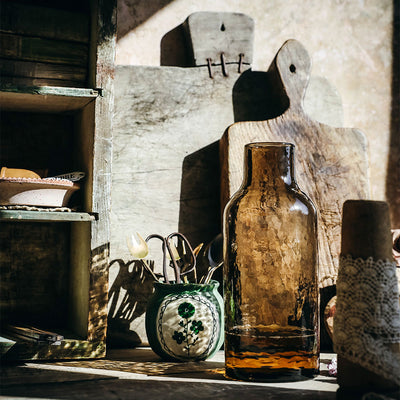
(332, 163)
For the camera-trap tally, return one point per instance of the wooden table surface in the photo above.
(140, 374)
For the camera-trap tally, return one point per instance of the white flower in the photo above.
(137, 246)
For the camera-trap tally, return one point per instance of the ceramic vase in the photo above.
(184, 322)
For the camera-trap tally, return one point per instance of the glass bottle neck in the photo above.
(269, 164)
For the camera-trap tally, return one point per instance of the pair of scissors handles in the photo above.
(166, 247)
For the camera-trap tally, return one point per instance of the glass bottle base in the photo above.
(271, 355)
(268, 375)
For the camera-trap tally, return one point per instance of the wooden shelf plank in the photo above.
(45, 216)
(68, 349)
(46, 99)
(12, 70)
(45, 22)
(19, 47)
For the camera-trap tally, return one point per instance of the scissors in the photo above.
(184, 263)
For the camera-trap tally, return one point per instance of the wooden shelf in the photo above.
(55, 268)
(44, 99)
(46, 216)
(69, 348)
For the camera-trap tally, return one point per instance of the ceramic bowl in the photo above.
(36, 192)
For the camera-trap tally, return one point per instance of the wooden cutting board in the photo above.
(331, 163)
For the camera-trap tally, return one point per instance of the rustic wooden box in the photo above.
(56, 108)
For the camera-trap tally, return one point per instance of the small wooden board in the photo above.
(331, 163)
(211, 34)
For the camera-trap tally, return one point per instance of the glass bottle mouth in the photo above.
(269, 163)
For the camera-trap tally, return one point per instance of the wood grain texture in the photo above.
(43, 71)
(90, 254)
(43, 46)
(34, 262)
(55, 216)
(165, 164)
(38, 49)
(70, 348)
(34, 20)
(43, 82)
(79, 281)
(332, 164)
(47, 99)
(213, 33)
(99, 199)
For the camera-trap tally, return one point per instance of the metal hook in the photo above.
(241, 56)
(223, 65)
(209, 68)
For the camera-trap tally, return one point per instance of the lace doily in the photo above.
(367, 317)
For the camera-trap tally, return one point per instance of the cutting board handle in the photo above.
(293, 64)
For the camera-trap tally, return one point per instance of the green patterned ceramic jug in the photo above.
(184, 322)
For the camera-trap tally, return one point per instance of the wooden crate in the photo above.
(54, 265)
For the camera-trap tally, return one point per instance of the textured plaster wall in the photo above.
(350, 42)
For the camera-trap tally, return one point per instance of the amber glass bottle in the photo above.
(270, 272)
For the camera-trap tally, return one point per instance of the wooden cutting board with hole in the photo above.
(331, 163)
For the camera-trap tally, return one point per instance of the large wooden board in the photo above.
(167, 125)
(332, 163)
(165, 177)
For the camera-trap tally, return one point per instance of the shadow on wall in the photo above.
(393, 169)
(127, 301)
(254, 99)
(200, 210)
(174, 51)
(132, 13)
(256, 96)
(199, 214)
